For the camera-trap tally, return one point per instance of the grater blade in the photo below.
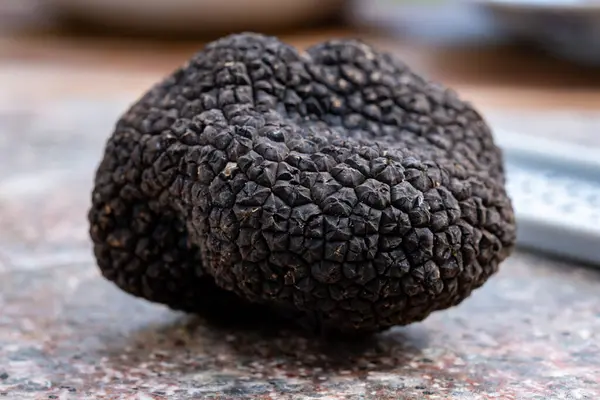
(555, 189)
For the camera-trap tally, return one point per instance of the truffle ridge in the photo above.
(335, 185)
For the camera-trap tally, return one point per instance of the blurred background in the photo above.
(531, 66)
(512, 54)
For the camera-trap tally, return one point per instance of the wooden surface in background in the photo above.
(47, 63)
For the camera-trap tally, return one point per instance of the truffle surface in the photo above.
(336, 185)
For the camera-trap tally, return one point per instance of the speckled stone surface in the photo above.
(532, 332)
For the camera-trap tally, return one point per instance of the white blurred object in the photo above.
(196, 15)
(569, 29)
(555, 190)
(444, 21)
(547, 4)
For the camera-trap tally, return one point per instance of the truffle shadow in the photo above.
(263, 344)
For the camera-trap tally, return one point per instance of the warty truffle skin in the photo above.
(335, 184)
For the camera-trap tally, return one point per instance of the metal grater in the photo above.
(555, 188)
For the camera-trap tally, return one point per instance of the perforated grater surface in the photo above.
(555, 188)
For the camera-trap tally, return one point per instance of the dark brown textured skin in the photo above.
(336, 184)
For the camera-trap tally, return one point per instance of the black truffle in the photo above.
(335, 185)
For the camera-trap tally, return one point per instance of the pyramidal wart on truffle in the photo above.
(336, 184)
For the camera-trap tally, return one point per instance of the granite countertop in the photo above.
(532, 332)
